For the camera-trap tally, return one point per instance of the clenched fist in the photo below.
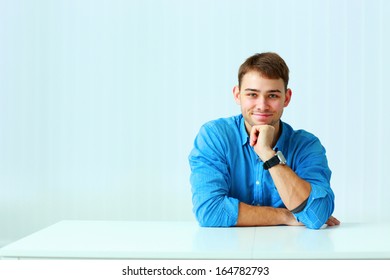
(262, 139)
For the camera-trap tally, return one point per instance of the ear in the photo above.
(288, 97)
(236, 95)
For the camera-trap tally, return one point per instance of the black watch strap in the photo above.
(271, 162)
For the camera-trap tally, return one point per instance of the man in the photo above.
(255, 170)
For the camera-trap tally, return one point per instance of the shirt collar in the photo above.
(282, 137)
(243, 133)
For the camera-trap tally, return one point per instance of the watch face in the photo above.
(275, 160)
(281, 157)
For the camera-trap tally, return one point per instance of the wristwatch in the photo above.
(278, 158)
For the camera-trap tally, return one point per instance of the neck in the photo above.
(278, 132)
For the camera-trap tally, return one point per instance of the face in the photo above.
(261, 100)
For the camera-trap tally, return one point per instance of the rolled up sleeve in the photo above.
(210, 182)
(313, 167)
(319, 207)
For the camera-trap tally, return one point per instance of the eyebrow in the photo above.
(256, 90)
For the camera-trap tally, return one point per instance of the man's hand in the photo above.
(332, 221)
(262, 138)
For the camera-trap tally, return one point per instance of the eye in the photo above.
(273, 96)
(251, 94)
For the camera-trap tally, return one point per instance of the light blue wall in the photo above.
(100, 100)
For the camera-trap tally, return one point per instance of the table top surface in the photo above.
(187, 240)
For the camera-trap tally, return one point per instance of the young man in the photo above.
(253, 169)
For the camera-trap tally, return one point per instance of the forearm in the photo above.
(249, 215)
(292, 189)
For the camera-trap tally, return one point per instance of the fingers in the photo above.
(254, 135)
(266, 137)
(332, 221)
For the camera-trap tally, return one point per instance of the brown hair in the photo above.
(268, 64)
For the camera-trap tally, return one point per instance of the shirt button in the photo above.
(257, 182)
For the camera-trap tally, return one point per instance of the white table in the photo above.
(186, 240)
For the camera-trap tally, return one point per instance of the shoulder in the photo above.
(222, 132)
(224, 125)
(299, 135)
(301, 141)
(216, 138)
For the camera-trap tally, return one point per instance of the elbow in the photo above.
(207, 218)
(205, 223)
(317, 214)
(315, 226)
(314, 222)
(203, 216)
(214, 215)
(319, 208)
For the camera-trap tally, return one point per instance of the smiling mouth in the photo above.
(261, 115)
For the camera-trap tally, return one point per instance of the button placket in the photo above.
(259, 178)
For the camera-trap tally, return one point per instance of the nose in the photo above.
(262, 104)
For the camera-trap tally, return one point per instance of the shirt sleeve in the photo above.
(210, 181)
(312, 166)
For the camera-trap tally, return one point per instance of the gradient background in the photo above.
(100, 101)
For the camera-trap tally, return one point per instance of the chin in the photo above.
(261, 122)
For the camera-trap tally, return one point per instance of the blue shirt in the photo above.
(225, 170)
